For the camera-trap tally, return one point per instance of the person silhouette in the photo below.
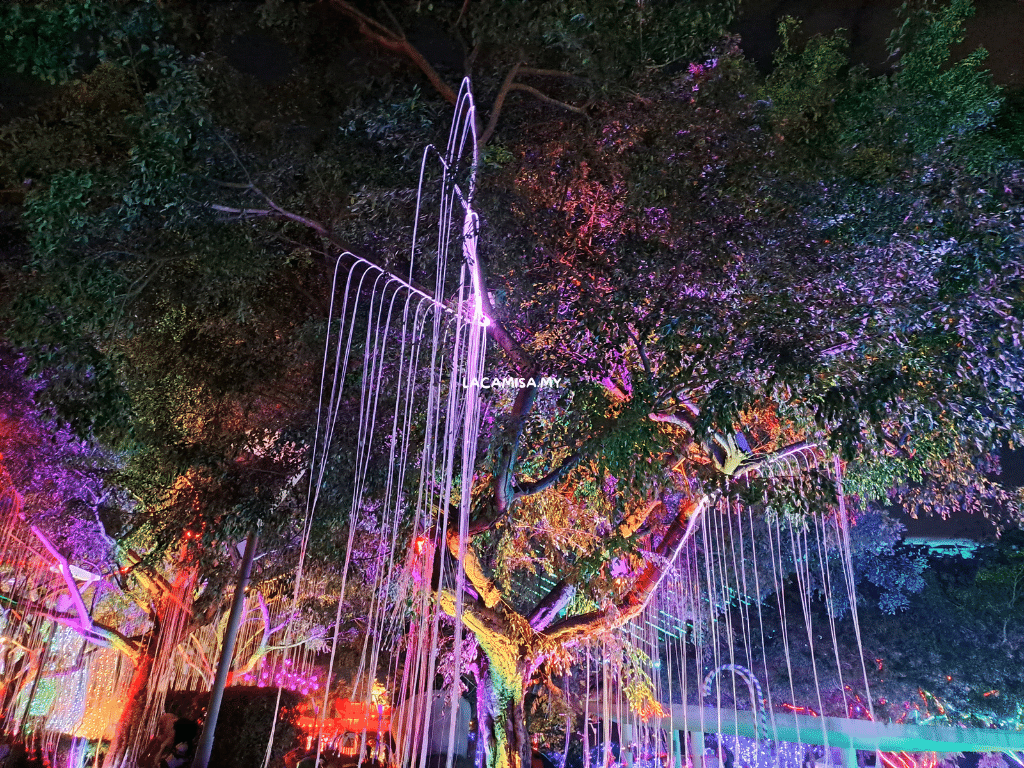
(181, 750)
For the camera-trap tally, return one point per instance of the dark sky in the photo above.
(962, 525)
(998, 25)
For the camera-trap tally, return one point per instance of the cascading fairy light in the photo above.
(413, 348)
(418, 347)
(436, 332)
(707, 645)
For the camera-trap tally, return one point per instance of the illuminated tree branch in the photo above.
(551, 605)
(676, 419)
(634, 602)
(556, 475)
(377, 33)
(485, 588)
(64, 567)
(95, 633)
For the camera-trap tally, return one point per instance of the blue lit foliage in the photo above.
(960, 639)
(894, 572)
(888, 573)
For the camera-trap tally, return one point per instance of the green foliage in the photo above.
(397, 128)
(931, 100)
(793, 499)
(57, 219)
(82, 127)
(48, 39)
(283, 16)
(150, 323)
(610, 39)
(170, 135)
(876, 124)
(927, 101)
(805, 85)
(631, 450)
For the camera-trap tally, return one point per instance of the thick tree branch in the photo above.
(488, 593)
(614, 390)
(676, 419)
(504, 495)
(633, 521)
(521, 361)
(499, 101)
(488, 625)
(638, 342)
(377, 33)
(155, 584)
(555, 476)
(398, 43)
(85, 620)
(634, 602)
(551, 605)
(547, 99)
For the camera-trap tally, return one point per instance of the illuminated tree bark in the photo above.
(131, 716)
(140, 690)
(515, 646)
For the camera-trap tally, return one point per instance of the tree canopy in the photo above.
(727, 267)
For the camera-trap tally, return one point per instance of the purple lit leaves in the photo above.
(63, 480)
(280, 674)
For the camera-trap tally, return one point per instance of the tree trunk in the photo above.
(501, 693)
(134, 709)
(168, 614)
(503, 723)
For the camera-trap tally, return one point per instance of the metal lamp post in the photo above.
(205, 748)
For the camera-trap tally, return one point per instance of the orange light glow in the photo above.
(652, 709)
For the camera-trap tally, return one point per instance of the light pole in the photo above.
(205, 748)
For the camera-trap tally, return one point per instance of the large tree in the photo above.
(726, 268)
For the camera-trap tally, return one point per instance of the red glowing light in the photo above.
(419, 545)
(799, 710)
(993, 692)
